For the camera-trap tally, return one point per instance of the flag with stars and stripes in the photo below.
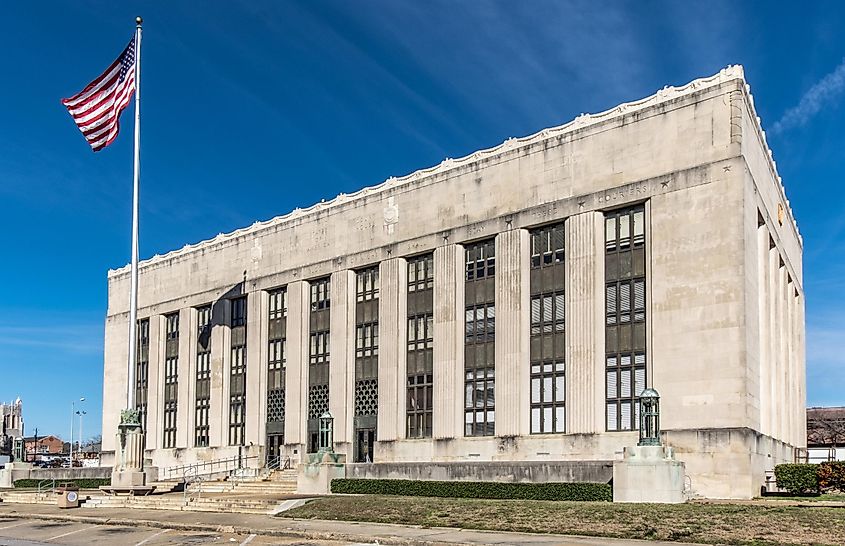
(96, 109)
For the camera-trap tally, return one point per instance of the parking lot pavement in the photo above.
(31, 532)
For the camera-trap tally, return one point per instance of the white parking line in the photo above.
(248, 539)
(15, 525)
(70, 533)
(149, 538)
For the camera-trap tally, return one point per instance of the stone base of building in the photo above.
(648, 474)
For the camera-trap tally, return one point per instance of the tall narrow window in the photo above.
(420, 388)
(203, 377)
(625, 316)
(142, 366)
(276, 358)
(237, 375)
(366, 362)
(318, 357)
(171, 378)
(480, 348)
(548, 367)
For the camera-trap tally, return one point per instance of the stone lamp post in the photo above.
(648, 471)
(649, 418)
(326, 438)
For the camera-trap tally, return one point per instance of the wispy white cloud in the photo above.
(820, 94)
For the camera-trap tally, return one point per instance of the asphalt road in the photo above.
(30, 532)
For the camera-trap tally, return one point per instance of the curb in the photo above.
(237, 529)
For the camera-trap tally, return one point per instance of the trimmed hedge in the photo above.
(831, 476)
(476, 490)
(82, 483)
(798, 479)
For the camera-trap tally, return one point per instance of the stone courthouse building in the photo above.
(505, 307)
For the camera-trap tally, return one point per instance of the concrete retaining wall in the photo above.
(514, 472)
(70, 473)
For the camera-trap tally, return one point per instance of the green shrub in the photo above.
(476, 490)
(82, 483)
(831, 476)
(797, 479)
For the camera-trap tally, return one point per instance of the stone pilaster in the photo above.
(513, 374)
(218, 412)
(256, 367)
(448, 415)
(585, 323)
(392, 352)
(186, 397)
(296, 376)
(342, 357)
(155, 384)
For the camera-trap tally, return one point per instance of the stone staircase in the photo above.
(277, 483)
(179, 502)
(31, 497)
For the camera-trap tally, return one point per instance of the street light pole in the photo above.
(72, 413)
(80, 413)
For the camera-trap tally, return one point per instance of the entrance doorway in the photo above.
(275, 443)
(365, 440)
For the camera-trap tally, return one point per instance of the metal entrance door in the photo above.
(275, 442)
(365, 440)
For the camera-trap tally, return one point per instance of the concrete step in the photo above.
(179, 503)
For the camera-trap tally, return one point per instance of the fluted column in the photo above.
(584, 323)
(155, 383)
(256, 367)
(513, 374)
(342, 357)
(448, 414)
(186, 370)
(392, 351)
(296, 368)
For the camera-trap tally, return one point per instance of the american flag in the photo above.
(96, 109)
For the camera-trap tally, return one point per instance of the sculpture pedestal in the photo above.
(315, 476)
(129, 473)
(648, 474)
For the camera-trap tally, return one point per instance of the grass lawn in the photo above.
(709, 523)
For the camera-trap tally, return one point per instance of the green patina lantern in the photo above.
(649, 418)
(326, 439)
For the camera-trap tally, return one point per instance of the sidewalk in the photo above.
(307, 529)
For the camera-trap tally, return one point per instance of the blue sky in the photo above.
(253, 109)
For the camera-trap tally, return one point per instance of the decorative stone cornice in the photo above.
(668, 93)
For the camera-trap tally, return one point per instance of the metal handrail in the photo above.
(278, 463)
(51, 481)
(205, 467)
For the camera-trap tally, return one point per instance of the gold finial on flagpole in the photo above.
(139, 20)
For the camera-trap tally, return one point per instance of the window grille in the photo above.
(318, 401)
(366, 397)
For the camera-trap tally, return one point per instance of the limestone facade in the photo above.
(453, 360)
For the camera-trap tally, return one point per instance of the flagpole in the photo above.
(133, 290)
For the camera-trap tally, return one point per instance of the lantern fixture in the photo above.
(326, 438)
(649, 418)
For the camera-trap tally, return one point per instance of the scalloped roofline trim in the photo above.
(668, 93)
